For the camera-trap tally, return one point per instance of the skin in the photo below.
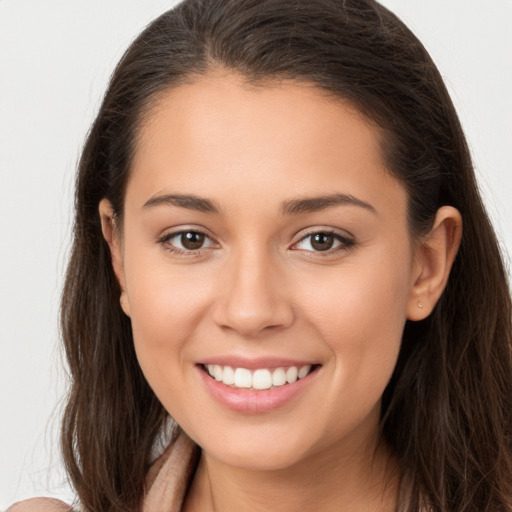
(258, 288)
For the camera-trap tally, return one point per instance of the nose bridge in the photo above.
(254, 296)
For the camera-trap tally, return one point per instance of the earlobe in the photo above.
(435, 255)
(111, 236)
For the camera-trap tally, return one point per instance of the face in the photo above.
(267, 269)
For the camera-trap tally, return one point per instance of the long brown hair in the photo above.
(447, 410)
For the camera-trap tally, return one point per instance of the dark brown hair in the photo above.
(447, 410)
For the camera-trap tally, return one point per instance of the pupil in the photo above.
(192, 240)
(322, 241)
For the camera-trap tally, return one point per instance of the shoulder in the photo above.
(40, 505)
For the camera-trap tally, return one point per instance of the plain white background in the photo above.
(55, 60)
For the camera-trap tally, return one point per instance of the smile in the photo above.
(262, 388)
(259, 379)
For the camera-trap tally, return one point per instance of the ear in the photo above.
(111, 235)
(435, 254)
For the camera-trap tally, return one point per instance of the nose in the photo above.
(254, 297)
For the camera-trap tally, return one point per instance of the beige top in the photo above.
(170, 476)
(167, 482)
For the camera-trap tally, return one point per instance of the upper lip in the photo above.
(256, 362)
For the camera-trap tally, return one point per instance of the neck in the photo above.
(354, 480)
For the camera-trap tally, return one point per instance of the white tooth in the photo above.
(243, 378)
(262, 379)
(291, 374)
(228, 377)
(304, 371)
(217, 372)
(210, 370)
(278, 377)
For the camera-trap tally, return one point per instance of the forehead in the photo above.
(220, 134)
(226, 107)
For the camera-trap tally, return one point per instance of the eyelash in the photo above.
(345, 243)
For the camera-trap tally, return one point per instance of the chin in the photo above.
(263, 449)
(258, 458)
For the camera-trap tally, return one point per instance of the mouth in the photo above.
(257, 386)
(259, 379)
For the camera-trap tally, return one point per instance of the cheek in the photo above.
(359, 298)
(166, 305)
(360, 313)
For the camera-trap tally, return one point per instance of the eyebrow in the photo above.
(189, 201)
(292, 207)
(314, 204)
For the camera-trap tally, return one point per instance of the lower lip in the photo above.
(248, 401)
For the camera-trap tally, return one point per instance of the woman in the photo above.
(279, 243)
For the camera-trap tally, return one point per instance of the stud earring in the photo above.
(420, 304)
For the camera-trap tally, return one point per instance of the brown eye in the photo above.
(322, 241)
(186, 242)
(192, 240)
